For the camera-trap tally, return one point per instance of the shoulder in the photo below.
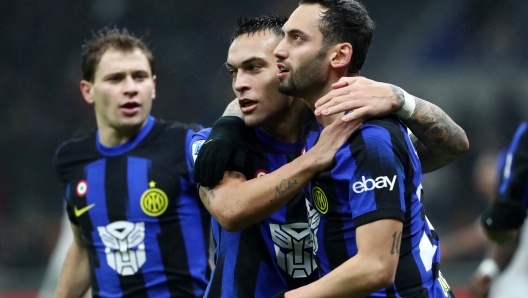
(75, 150)
(381, 129)
(175, 126)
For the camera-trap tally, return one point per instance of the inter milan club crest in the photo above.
(82, 188)
(320, 200)
(154, 201)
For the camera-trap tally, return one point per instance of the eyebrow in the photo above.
(245, 62)
(123, 73)
(293, 31)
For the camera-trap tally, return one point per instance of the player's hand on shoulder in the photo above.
(364, 98)
(331, 139)
(221, 151)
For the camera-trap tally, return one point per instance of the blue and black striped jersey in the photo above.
(274, 254)
(376, 175)
(145, 230)
(515, 174)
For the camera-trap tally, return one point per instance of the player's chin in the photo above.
(253, 120)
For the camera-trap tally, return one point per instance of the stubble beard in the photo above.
(305, 78)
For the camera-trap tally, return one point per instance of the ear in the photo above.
(154, 89)
(341, 55)
(87, 91)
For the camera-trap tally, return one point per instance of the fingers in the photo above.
(331, 95)
(344, 81)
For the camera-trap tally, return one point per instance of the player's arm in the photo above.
(498, 257)
(223, 148)
(436, 137)
(372, 268)
(237, 203)
(74, 279)
(505, 215)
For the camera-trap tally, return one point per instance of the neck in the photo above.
(287, 129)
(311, 97)
(110, 136)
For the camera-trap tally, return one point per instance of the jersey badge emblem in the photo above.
(196, 148)
(82, 188)
(154, 201)
(319, 199)
(260, 173)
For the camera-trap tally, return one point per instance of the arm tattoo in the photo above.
(207, 194)
(396, 242)
(284, 187)
(233, 109)
(437, 138)
(399, 95)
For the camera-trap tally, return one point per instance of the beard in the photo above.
(308, 76)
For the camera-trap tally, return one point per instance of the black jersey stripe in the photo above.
(117, 205)
(87, 228)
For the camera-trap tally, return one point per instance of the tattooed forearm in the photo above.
(284, 187)
(399, 96)
(396, 242)
(207, 194)
(439, 140)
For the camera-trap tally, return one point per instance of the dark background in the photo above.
(467, 56)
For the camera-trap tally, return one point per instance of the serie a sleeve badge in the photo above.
(154, 201)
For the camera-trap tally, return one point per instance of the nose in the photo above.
(280, 51)
(130, 87)
(241, 83)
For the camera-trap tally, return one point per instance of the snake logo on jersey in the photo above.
(124, 246)
(292, 243)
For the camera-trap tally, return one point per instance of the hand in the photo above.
(480, 285)
(364, 99)
(223, 149)
(331, 139)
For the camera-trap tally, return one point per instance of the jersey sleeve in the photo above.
(59, 171)
(515, 174)
(196, 141)
(376, 189)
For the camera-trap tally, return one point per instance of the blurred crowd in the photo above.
(470, 57)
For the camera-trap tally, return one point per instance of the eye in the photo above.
(232, 72)
(254, 67)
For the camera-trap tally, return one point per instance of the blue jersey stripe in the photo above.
(137, 178)
(509, 158)
(95, 178)
(193, 236)
(229, 249)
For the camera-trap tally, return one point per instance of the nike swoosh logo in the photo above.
(79, 212)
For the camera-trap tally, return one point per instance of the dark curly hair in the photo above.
(252, 25)
(346, 21)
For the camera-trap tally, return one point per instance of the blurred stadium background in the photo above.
(470, 57)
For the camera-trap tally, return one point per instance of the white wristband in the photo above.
(409, 105)
(488, 267)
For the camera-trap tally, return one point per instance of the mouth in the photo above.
(247, 105)
(130, 108)
(283, 70)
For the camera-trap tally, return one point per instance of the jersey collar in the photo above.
(128, 145)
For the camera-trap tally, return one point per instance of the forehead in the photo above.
(260, 44)
(118, 61)
(305, 18)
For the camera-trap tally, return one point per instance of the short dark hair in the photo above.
(104, 39)
(251, 25)
(346, 21)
